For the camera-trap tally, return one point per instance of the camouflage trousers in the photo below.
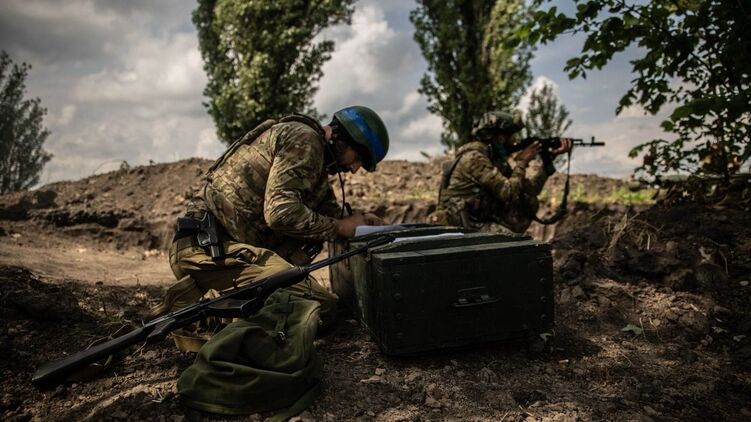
(504, 218)
(200, 276)
(488, 215)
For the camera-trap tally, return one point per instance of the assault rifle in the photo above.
(238, 303)
(549, 144)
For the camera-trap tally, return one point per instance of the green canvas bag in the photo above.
(263, 363)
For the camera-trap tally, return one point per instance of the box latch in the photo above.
(474, 296)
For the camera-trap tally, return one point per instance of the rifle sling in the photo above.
(561, 211)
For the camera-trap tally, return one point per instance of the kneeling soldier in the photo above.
(267, 200)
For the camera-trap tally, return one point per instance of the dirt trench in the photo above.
(652, 313)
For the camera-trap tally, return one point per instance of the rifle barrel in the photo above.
(591, 143)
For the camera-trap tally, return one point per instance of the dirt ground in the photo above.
(653, 306)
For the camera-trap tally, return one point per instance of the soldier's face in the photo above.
(506, 139)
(349, 160)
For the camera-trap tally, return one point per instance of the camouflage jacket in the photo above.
(274, 188)
(481, 189)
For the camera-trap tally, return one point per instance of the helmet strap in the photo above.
(333, 164)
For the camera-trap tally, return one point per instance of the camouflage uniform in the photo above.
(271, 194)
(488, 193)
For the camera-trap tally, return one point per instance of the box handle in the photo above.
(475, 296)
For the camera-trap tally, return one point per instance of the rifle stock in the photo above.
(238, 303)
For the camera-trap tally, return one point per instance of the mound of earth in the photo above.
(652, 309)
(137, 207)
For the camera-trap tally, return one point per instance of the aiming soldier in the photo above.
(486, 189)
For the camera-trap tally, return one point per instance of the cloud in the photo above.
(379, 65)
(161, 70)
(62, 118)
(633, 111)
(620, 134)
(538, 84)
(124, 81)
(428, 126)
(371, 61)
(208, 145)
(45, 32)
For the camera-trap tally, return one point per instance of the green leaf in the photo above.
(588, 10)
(572, 62)
(667, 125)
(630, 20)
(681, 112)
(630, 328)
(737, 106)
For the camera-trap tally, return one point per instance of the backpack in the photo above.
(263, 363)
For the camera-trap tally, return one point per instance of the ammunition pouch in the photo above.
(474, 212)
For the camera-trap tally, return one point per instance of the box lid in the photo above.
(456, 248)
(418, 240)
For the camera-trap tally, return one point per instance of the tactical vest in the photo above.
(485, 149)
(251, 136)
(236, 183)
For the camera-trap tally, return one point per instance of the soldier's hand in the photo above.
(529, 153)
(566, 145)
(346, 226)
(373, 220)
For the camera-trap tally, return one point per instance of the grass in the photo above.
(619, 195)
(579, 193)
(422, 193)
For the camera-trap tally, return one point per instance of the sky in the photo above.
(123, 81)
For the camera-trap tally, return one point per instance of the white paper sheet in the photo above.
(363, 230)
(431, 236)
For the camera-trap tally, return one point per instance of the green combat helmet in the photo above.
(495, 122)
(368, 131)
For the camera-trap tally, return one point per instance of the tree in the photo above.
(508, 67)
(21, 132)
(471, 69)
(696, 57)
(260, 57)
(545, 117)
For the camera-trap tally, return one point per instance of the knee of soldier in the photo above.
(173, 262)
(270, 259)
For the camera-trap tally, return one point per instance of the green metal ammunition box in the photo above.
(427, 293)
